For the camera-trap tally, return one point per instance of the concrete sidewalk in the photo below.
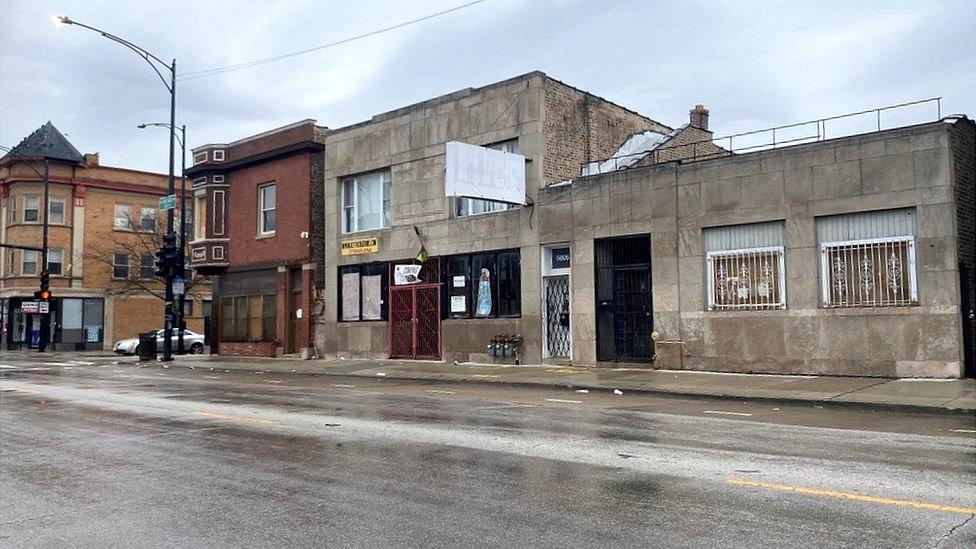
(930, 394)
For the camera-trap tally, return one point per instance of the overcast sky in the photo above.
(753, 64)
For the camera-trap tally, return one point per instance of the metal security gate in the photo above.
(624, 319)
(557, 316)
(415, 321)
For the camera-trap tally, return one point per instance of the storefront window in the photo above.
(362, 291)
(484, 285)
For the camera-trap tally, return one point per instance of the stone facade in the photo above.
(923, 167)
(558, 128)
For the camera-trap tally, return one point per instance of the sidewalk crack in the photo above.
(882, 382)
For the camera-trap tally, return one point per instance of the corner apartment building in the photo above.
(481, 266)
(254, 231)
(850, 256)
(104, 226)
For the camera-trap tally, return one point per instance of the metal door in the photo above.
(624, 311)
(415, 321)
(557, 316)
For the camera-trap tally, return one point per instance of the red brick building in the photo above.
(254, 202)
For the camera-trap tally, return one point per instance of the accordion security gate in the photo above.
(415, 321)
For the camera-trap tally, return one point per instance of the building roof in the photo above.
(46, 142)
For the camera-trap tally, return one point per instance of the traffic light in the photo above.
(166, 257)
(45, 292)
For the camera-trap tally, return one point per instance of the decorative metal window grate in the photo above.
(752, 278)
(878, 272)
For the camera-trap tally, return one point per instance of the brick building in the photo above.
(482, 278)
(255, 199)
(103, 230)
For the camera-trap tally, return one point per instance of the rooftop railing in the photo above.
(811, 131)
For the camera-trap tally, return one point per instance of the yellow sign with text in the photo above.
(360, 246)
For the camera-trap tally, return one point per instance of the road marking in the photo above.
(272, 381)
(8, 367)
(59, 364)
(961, 431)
(343, 386)
(237, 418)
(724, 413)
(211, 377)
(563, 400)
(485, 375)
(25, 391)
(854, 497)
(439, 392)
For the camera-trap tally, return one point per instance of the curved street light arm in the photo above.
(149, 57)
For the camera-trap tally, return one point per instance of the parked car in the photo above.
(192, 343)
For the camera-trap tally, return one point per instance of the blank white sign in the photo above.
(478, 172)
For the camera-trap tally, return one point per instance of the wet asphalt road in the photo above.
(94, 454)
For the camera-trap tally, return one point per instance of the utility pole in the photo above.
(170, 237)
(180, 348)
(43, 293)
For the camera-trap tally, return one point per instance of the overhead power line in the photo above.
(229, 68)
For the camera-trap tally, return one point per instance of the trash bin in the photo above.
(147, 346)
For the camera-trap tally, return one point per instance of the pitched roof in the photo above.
(46, 142)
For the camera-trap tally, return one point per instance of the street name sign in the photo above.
(167, 202)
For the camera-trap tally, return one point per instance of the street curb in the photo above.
(874, 406)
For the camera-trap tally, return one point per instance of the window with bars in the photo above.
(752, 278)
(745, 266)
(869, 273)
(867, 259)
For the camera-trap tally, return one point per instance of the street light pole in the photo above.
(169, 240)
(180, 347)
(45, 317)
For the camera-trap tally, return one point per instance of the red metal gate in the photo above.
(415, 321)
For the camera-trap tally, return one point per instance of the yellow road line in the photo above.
(854, 497)
(237, 418)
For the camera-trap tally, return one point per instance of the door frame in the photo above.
(549, 271)
(412, 289)
(613, 271)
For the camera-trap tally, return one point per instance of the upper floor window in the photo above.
(200, 217)
(745, 266)
(123, 217)
(147, 266)
(55, 261)
(267, 204)
(366, 202)
(474, 206)
(120, 265)
(147, 220)
(28, 262)
(867, 259)
(55, 211)
(31, 209)
(12, 210)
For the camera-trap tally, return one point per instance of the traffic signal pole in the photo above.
(170, 237)
(46, 316)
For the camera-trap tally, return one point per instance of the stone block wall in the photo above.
(673, 202)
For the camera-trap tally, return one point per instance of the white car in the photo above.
(192, 343)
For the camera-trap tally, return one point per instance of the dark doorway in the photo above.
(624, 312)
(294, 340)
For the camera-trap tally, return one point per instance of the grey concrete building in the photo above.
(385, 202)
(849, 256)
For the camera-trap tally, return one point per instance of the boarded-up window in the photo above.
(745, 266)
(362, 291)
(867, 259)
(350, 296)
(248, 318)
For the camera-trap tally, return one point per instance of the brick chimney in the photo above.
(698, 117)
(91, 159)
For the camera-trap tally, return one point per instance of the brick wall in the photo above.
(962, 145)
(317, 180)
(580, 128)
(248, 348)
